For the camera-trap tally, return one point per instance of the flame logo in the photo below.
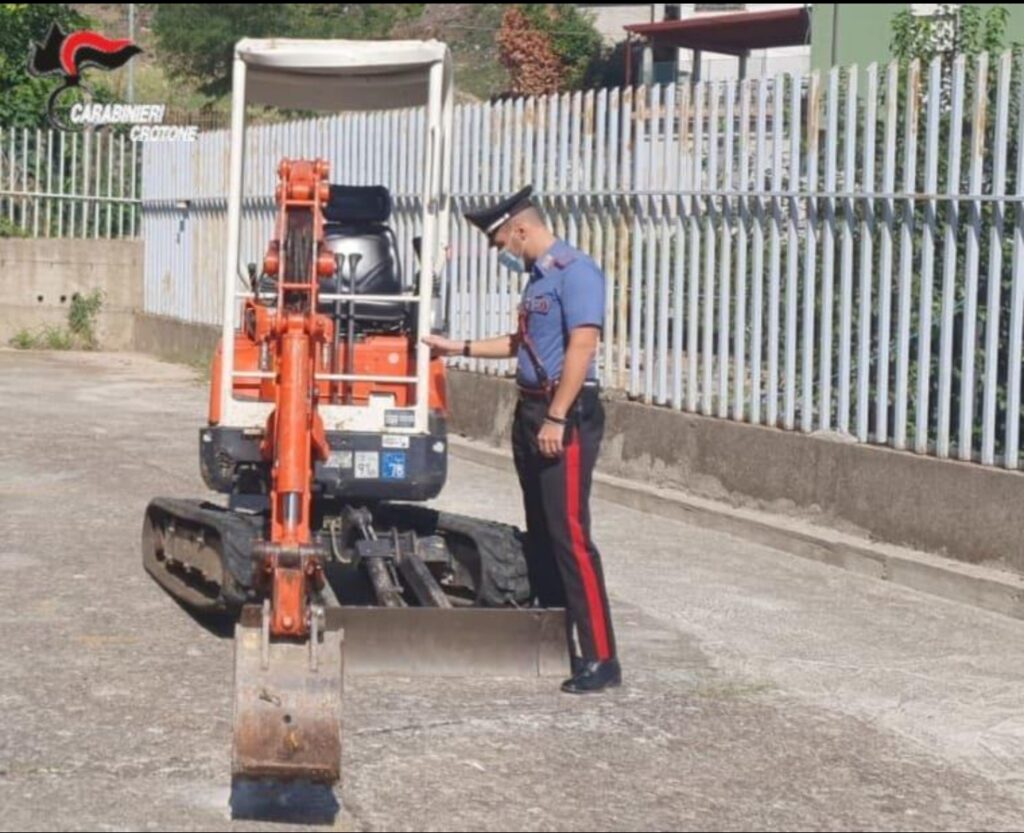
(68, 55)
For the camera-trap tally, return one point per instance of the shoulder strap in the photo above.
(523, 337)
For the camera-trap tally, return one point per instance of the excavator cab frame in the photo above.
(343, 76)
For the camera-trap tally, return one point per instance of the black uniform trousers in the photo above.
(564, 565)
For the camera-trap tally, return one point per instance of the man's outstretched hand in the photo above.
(441, 346)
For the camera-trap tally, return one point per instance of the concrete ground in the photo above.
(762, 691)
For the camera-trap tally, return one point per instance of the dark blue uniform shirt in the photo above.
(565, 291)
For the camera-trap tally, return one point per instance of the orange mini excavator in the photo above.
(326, 427)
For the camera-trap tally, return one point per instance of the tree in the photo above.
(23, 103)
(196, 42)
(469, 30)
(547, 47)
(529, 55)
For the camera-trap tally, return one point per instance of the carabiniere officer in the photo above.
(559, 422)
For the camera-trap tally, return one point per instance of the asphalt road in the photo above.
(762, 690)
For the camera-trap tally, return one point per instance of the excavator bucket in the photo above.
(287, 724)
(288, 694)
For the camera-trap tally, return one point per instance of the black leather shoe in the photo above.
(594, 677)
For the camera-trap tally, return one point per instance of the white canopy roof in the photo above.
(335, 75)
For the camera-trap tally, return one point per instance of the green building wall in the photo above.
(862, 33)
(864, 30)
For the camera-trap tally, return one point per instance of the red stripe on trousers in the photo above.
(579, 550)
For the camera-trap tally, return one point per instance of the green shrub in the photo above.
(9, 229)
(56, 338)
(82, 317)
(24, 340)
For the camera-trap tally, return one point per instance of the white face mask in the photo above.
(514, 263)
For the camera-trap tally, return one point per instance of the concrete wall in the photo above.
(174, 340)
(761, 63)
(40, 276)
(962, 510)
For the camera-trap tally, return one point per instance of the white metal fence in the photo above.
(60, 184)
(841, 252)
